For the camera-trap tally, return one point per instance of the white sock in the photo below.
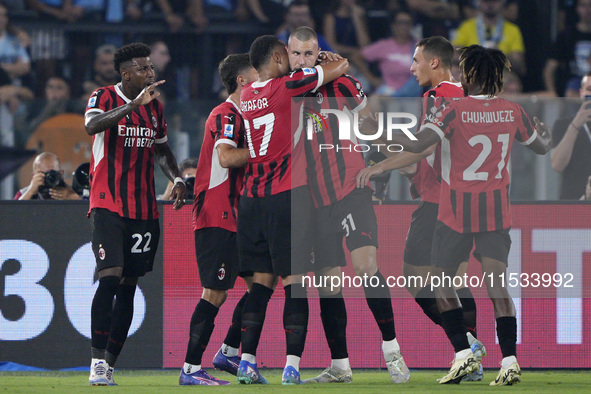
(471, 338)
(251, 358)
(190, 368)
(463, 353)
(293, 361)
(389, 347)
(341, 363)
(229, 351)
(507, 361)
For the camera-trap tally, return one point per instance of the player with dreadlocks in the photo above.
(476, 134)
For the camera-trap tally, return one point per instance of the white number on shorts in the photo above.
(138, 237)
(346, 226)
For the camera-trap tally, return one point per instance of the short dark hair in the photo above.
(484, 66)
(439, 47)
(231, 67)
(304, 33)
(262, 49)
(188, 163)
(129, 52)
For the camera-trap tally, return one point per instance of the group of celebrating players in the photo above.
(267, 199)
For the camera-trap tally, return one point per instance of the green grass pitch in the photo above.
(364, 381)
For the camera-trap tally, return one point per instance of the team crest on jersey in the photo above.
(309, 71)
(221, 273)
(102, 254)
(319, 98)
(154, 122)
(92, 102)
(229, 130)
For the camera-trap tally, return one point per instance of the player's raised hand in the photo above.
(148, 94)
(179, 195)
(364, 175)
(329, 56)
(541, 127)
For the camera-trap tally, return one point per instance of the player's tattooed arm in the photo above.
(169, 167)
(97, 122)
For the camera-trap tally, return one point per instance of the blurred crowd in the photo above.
(54, 53)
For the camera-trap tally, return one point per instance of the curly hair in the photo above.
(130, 51)
(484, 66)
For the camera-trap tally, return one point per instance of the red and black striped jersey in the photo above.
(333, 163)
(266, 110)
(476, 134)
(426, 181)
(122, 161)
(217, 189)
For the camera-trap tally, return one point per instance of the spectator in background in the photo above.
(14, 60)
(175, 12)
(394, 58)
(435, 17)
(345, 29)
(48, 42)
(104, 70)
(571, 139)
(298, 14)
(161, 58)
(267, 11)
(188, 169)
(490, 29)
(57, 101)
(570, 54)
(47, 182)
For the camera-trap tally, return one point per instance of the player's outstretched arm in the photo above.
(425, 138)
(231, 157)
(97, 122)
(541, 145)
(167, 163)
(397, 161)
(333, 69)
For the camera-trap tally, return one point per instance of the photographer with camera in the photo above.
(188, 168)
(571, 138)
(47, 182)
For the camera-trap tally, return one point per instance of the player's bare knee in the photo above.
(215, 297)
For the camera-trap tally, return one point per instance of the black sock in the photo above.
(469, 308)
(295, 319)
(101, 312)
(233, 335)
(122, 317)
(426, 300)
(253, 317)
(379, 301)
(334, 321)
(453, 324)
(202, 324)
(507, 334)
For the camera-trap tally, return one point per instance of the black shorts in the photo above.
(354, 218)
(124, 242)
(216, 250)
(417, 248)
(264, 234)
(450, 248)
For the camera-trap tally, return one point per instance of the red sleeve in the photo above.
(526, 133)
(300, 82)
(227, 126)
(351, 89)
(99, 100)
(439, 115)
(162, 126)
